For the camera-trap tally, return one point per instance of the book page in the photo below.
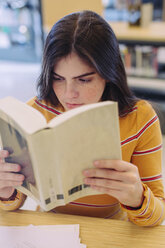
(47, 173)
(72, 146)
(16, 143)
(17, 123)
(76, 111)
(60, 236)
(93, 135)
(21, 115)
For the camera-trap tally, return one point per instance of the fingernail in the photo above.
(96, 162)
(21, 177)
(86, 172)
(86, 180)
(5, 153)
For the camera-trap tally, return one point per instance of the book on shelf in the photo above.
(53, 155)
(140, 61)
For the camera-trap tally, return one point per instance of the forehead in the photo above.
(72, 63)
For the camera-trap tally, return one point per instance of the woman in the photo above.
(82, 65)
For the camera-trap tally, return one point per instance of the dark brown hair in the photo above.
(92, 39)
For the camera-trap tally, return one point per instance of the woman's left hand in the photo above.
(117, 178)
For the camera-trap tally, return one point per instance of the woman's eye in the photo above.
(83, 80)
(57, 79)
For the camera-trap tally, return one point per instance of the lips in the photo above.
(73, 105)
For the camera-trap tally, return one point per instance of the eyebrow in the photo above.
(82, 75)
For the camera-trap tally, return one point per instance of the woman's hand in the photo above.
(117, 178)
(8, 179)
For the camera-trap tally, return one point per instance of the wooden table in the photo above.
(94, 232)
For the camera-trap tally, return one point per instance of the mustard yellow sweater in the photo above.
(141, 144)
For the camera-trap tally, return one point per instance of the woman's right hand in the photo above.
(8, 179)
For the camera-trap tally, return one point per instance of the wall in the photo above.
(56, 9)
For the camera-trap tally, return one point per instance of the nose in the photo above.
(71, 90)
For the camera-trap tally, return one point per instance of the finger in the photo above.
(112, 192)
(4, 184)
(122, 196)
(11, 177)
(4, 153)
(111, 184)
(104, 173)
(124, 177)
(10, 167)
(118, 165)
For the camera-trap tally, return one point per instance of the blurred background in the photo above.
(138, 24)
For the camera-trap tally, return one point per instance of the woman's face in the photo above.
(75, 83)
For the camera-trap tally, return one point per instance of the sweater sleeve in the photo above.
(152, 211)
(13, 204)
(147, 156)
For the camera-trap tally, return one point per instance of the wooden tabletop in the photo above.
(94, 232)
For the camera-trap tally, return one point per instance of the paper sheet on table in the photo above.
(59, 236)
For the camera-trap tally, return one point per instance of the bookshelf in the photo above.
(143, 53)
(142, 49)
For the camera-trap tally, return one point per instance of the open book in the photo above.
(53, 155)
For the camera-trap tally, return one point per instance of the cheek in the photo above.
(94, 94)
(57, 90)
(90, 93)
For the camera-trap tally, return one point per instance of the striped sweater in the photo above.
(141, 144)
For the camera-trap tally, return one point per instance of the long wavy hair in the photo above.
(93, 40)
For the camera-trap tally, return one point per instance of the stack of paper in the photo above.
(56, 236)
